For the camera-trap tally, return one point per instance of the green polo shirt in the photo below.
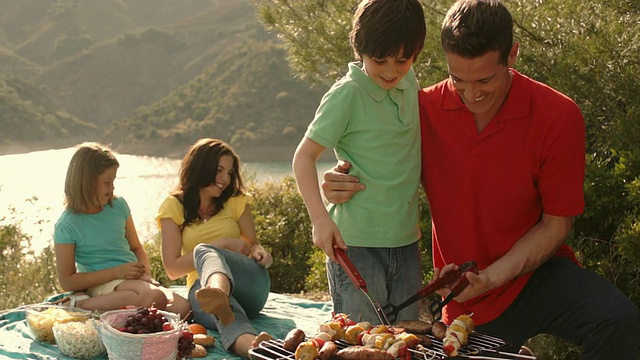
(378, 132)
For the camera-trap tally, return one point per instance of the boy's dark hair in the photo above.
(472, 28)
(381, 28)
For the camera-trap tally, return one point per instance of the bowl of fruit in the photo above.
(42, 317)
(144, 333)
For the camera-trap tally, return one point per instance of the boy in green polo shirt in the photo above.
(370, 118)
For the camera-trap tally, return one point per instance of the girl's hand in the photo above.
(130, 271)
(147, 277)
(261, 256)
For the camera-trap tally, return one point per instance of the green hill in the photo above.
(31, 120)
(112, 63)
(248, 98)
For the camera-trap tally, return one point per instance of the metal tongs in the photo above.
(455, 277)
(357, 279)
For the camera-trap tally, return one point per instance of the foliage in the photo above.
(284, 229)
(25, 276)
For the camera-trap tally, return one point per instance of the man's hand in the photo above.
(478, 283)
(337, 186)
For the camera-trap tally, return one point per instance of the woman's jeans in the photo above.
(250, 287)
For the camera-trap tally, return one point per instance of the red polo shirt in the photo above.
(487, 189)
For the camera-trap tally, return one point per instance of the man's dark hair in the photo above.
(472, 28)
(381, 28)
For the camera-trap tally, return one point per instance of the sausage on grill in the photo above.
(438, 330)
(363, 353)
(328, 351)
(293, 339)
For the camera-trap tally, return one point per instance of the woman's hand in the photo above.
(232, 244)
(261, 256)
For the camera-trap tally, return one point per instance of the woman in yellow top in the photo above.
(209, 235)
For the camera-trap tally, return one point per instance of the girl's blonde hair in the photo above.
(89, 161)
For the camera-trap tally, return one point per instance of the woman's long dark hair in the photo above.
(198, 170)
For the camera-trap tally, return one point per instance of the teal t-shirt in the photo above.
(378, 132)
(99, 238)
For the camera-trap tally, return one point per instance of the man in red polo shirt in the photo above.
(503, 161)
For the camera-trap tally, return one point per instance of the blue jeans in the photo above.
(250, 287)
(576, 304)
(392, 275)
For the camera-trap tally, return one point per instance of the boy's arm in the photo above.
(325, 231)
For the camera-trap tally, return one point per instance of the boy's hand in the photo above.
(337, 186)
(325, 235)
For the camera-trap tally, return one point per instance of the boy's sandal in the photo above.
(73, 299)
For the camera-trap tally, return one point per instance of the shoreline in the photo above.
(263, 153)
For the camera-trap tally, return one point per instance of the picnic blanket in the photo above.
(281, 314)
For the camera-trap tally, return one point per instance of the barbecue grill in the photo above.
(478, 343)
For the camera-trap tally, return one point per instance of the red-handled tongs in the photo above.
(452, 277)
(357, 279)
(437, 304)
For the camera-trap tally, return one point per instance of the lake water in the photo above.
(32, 185)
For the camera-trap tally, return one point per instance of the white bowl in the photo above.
(80, 340)
(42, 317)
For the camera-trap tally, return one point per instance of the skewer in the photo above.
(513, 355)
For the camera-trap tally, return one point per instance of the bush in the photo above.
(283, 228)
(26, 277)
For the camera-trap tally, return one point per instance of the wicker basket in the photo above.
(125, 346)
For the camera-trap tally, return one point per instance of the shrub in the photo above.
(283, 228)
(26, 277)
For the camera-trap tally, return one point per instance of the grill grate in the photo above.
(273, 350)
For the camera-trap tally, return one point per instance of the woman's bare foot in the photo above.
(246, 342)
(263, 336)
(216, 302)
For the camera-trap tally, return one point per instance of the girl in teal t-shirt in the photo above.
(98, 253)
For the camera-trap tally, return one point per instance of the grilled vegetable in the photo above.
(457, 335)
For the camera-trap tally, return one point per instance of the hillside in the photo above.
(248, 98)
(31, 119)
(108, 64)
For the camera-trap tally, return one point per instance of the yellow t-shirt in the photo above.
(223, 224)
